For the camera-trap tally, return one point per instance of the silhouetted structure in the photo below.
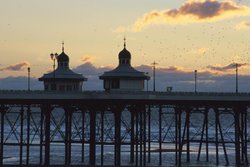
(132, 127)
(124, 77)
(62, 78)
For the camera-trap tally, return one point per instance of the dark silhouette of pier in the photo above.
(140, 128)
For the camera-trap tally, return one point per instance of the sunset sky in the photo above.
(180, 35)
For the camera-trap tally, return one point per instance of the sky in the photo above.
(209, 36)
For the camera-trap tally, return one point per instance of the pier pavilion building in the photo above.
(124, 76)
(62, 78)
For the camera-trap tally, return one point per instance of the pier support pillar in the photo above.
(117, 115)
(21, 136)
(68, 125)
(47, 112)
(2, 111)
(160, 135)
(92, 144)
(132, 139)
(83, 133)
(237, 137)
(28, 135)
(149, 134)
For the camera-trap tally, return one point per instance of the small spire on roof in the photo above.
(124, 42)
(62, 46)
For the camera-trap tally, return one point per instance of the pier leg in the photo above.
(178, 142)
(132, 139)
(149, 134)
(102, 137)
(144, 136)
(179, 138)
(136, 138)
(160, 137)
(83, 132)
(68, 123)
(28, 136)
(41, 137)
(66, 156)
(21, 136)
(2, 110)
(117, 137)
(188, 131)
(206, 124)
(176, 136)
(237, 139)
(216, 136)
(47, 113)
(70, 136)
(92, 147)
(245, 137)
(141, 134)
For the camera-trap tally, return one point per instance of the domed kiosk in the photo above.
(124, 77)
(62, 78)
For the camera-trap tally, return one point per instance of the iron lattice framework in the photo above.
(123, 132)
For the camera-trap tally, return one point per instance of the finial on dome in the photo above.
(124, 42)
(62, 46)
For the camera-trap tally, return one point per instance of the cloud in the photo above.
(87, 58)
(20, 83)
(193, 11)
(227, 67)
(243, 25)
(16, 67)
(180, 78)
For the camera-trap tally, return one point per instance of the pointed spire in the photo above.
(124, 42)
(62, 46)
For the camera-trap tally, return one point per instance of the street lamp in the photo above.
(195, 81)
(54, 57)
(154, 63)
(28, 78)
(236, 69)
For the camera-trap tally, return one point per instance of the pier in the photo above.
(136, 128)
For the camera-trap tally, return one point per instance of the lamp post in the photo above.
(28, 78)
(195, 81)
(236, 69)
(154, 63)
(54, 57)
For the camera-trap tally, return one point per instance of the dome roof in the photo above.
(62, 57)
(124, 54)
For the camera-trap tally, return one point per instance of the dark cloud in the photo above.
(176, 77)
(19, 83)
(16, 67)
(227, 67)
(92, 73)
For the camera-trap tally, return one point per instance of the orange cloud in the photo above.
(16, 67)
(193, 11)
(88, 59)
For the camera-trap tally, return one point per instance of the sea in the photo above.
(12, 138)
